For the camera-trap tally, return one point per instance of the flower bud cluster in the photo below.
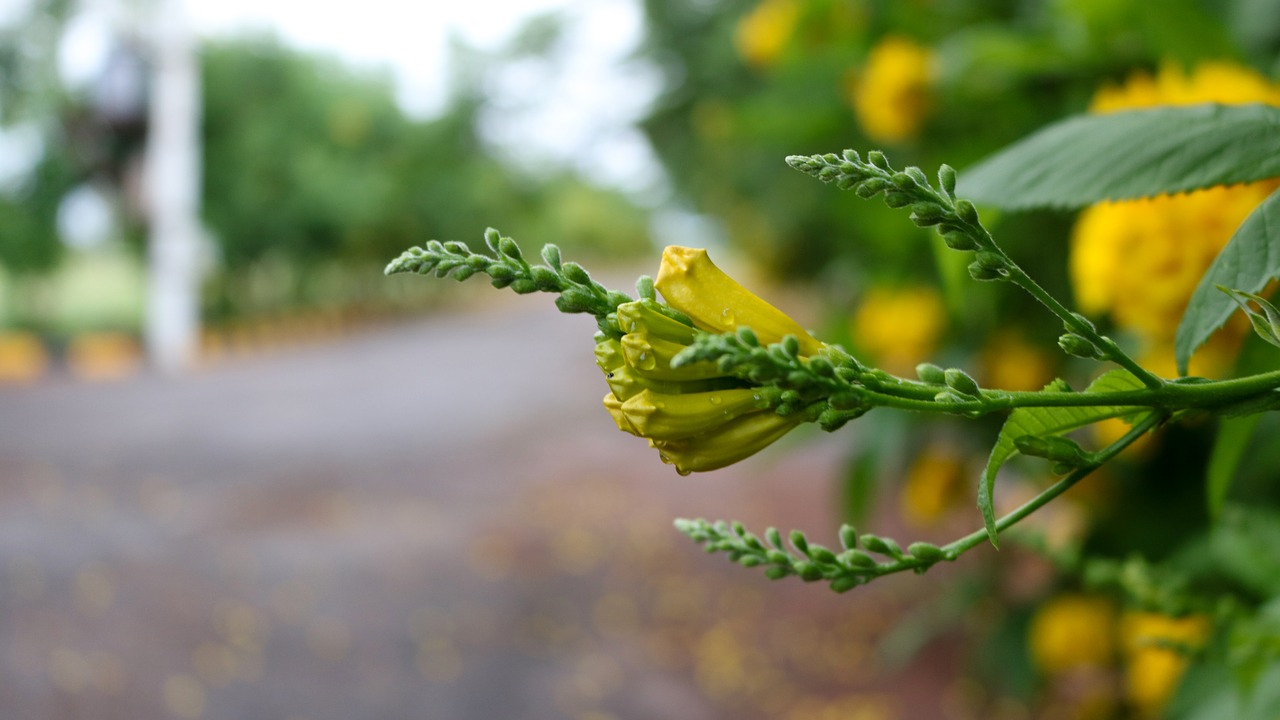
(699, 413)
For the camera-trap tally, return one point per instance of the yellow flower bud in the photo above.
(652, 356)
(639, 316)
(736, 440)
(676, 417)
(692, 284)
(614, 406)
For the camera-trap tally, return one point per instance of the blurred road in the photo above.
(433, 520)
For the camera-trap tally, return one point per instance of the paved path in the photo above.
(433, 520)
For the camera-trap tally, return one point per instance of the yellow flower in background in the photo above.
(1071, 632)
(697, 417)
(935, 483)
(1141, 260)
(890, 93)
(1220, 82)
(763, 33)
(1155, 648)
(1009, 362)
(899, 327)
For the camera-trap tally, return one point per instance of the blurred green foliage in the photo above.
(308, 161)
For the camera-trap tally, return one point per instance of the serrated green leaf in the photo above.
(1126, 155)
(1045, 421)
(1249, 261)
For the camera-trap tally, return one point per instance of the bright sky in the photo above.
(577, 111)
(409, 37)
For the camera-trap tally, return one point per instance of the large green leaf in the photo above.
(1043, 422)
(1248, 262)
(1125, 155)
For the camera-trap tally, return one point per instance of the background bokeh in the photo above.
(361, 496)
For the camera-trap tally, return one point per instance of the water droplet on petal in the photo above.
(715, 400)
(683, 472)
(645, 361)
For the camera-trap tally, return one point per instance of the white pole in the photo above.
(172, 174)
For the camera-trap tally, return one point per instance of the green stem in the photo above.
(1172, 396)
(1073, 323)
(959, 547)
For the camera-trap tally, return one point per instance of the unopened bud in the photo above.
(551, 256)
(821, 554)
(545, 278)
(980, 272)
(1050, 447)
(848, 537)
(967, 212)
(897, 199)
(575, 273)
(845, 583)
(926, 214)
(644, 288)
(959, 240)
(1077, 346)
(575, 300)
(857, 558)
(930, 373)
(947, 179)
(926, 551)
(884, 546)
(508, 247)
(876, 158)
(959, 380)
(809, 572)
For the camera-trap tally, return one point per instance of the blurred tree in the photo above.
(30, 100)
(308, 160)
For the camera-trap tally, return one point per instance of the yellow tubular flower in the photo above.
(614, 406)
(653, 355)
(692, 284)
(735, 440)
(660, 416)
(696, 416)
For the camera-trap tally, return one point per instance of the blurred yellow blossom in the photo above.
(1072, 631)
(1009, 362)
(900, 327)
(1155, 648)
(890, 93)
(1220, 82)
(934, 484)
(1140, 260)
(762, 34)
